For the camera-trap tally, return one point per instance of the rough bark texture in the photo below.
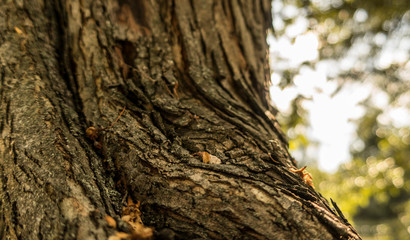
(193, 77)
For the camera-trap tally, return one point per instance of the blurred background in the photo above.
(341, 83)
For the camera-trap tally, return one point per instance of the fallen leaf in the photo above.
(214, 160)
(131, 214)
(111, 221)
(18, 30)
(208, 158)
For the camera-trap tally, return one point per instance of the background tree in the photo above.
(198, 145)
(363, 44)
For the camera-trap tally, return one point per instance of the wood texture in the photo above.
(193, 78)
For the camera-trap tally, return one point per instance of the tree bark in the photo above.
(198, 144)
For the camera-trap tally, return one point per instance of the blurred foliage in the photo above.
(369, 42)
(373, 189)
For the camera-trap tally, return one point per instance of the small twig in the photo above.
(175, 90)
(275, 161)
(339, 212)
(118, 118)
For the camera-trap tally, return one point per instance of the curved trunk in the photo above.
(197, 145)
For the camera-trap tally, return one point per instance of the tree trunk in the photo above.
(197, 145)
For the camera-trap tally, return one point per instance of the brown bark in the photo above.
(193, 78)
